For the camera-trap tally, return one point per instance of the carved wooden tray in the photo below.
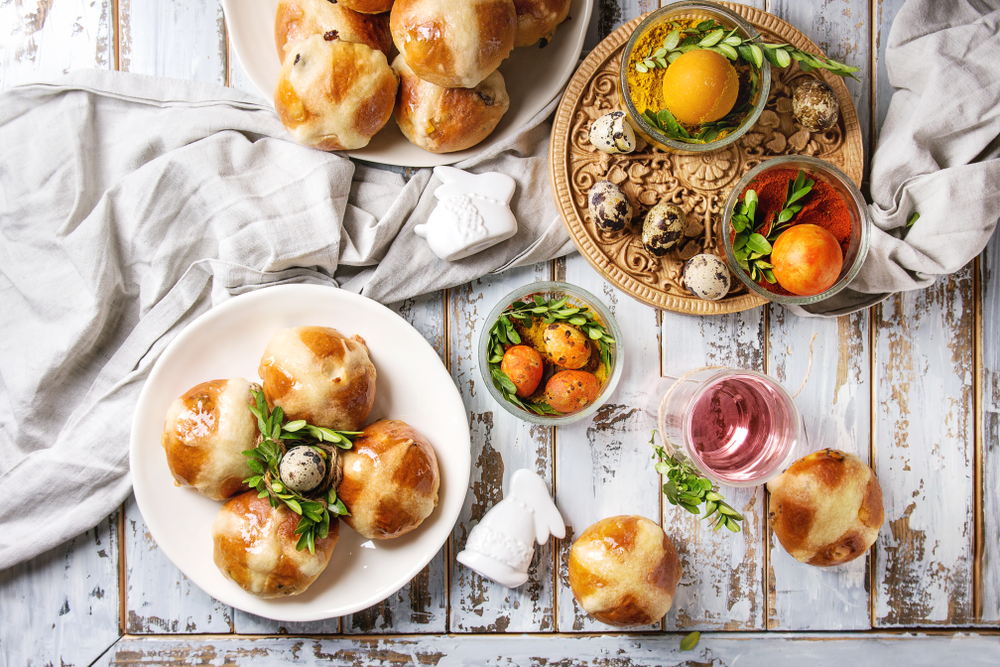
(699, 184)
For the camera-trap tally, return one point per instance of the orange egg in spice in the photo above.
(700, 86)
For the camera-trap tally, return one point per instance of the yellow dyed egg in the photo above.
(700, 87)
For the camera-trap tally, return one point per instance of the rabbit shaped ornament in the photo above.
(500, 546)
(472, 213)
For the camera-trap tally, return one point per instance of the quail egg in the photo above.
(612, 134)
(608, 206)
(302, 469)
(662, 228)
(706, 276)
(815, 106)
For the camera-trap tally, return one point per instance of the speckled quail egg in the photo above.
(706, 276)
(662, 228)
(608, 206)
(815, 106)
(302, 469)
(612, 134)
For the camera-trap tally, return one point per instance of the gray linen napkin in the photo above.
(938, 153)
(128, 207)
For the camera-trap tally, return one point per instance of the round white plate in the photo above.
(533, 77)
(412, 385)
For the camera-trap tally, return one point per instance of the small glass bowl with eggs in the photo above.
(709, 77)
(550, 353)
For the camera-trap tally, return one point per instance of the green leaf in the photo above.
(726, 51)
(690, 641)
(912, 219)
(712, 38)
(769, 276)
(758, 243)
(778, 57)
(293, 505)
(302, 544)
(294, 426)
(668, 121)
(733, 40)
(672, 40)
(256, 466)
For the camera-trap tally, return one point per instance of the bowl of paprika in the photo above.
(796, 230)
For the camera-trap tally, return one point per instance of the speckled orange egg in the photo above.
(523, 365)
(700, 87)
(569, 391)
(566, 345)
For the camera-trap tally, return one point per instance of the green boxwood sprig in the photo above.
(686, 488)
(752, 243)
(503, 334)
(712, 36)
(264, 460)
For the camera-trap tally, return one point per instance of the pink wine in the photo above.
(741, 428)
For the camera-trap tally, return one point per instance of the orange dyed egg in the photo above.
(700, 87)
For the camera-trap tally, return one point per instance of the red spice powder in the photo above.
(823, 207)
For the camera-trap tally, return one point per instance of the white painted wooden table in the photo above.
(913, 386)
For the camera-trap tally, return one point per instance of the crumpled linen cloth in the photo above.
(129, 206)
(938, 152)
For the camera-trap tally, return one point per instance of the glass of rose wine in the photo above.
(738, 427)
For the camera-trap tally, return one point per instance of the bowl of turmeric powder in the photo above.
(694, 77)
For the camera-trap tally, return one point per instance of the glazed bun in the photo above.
(299, 19)
(826, 509)
(319, 375)
(624, 570)
(453, 44)
(390, 482)
(444, 120)
(334, 95)
(538, 19)
(254, 547)
(205, 432)
(367, 6)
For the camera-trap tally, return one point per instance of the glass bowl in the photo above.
(576, 297)
(818, 170)
(689, 10)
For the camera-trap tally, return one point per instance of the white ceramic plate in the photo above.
(533, 77)
(412, 385)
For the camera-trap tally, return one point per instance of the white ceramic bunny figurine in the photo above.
(472, 213)
(500, 547)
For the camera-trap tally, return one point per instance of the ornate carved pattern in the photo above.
(699, 184)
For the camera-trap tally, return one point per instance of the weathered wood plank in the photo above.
(501, 443)
(167, 39)
(842, 29)
(603, 463)
(44, 39)
(923, 438)
(722, 586)
(884, 11)
(835, 402)
(723, 650)
(989, 407)
(62, 606)
(421, 605)
(182, 40)
(159, 599)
